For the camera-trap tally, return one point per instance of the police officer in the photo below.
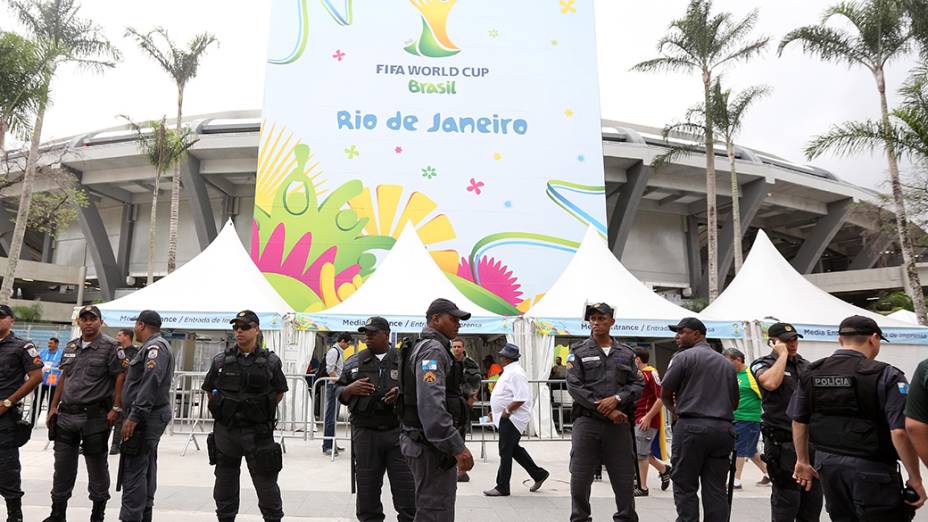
(124, 336)
(778, 374)
(701, 389)
(850, 407)
(432, 409)
(18, 360)
(245, 383)
(86, 404)
(146, 398)
(369, 386)
(605, 383)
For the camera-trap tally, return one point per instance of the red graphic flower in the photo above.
(495, 277)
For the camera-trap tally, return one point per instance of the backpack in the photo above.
(323, 370)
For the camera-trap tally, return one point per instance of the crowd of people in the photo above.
(834, 430)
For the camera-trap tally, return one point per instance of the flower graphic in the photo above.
(568, 112)
(398, 149)
(339, 54)
(493, 33)
(495, 277)
(567, 6)
(352, 152)
(429, 172)
(475, 186)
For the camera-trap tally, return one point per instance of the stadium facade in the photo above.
(830, 229)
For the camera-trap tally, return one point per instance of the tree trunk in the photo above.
(712, 232)
(3, 140)
(902, 221)
(175, 191)
(25, 201)
(151, 229)
(735, 206)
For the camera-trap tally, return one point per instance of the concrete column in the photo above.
(98, 245)
(870, 254)
(752, 197)
(620, 222)
(825, 229)
(694, 256)
(198, 198)
(126, 231)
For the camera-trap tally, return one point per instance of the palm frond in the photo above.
(830, 45)
(849, 138)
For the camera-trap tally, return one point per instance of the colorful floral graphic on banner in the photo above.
(475, 132)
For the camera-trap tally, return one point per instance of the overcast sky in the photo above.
(808, 96)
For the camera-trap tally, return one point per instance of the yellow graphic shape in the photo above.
(331, 296)
(527, 304)
(435, 13)
(275, 162)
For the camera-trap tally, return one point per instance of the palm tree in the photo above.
(20, 80)
(728, 115)
(165, 148)
(706, 43)
(881, 32)
(61, 38)
(182, 66)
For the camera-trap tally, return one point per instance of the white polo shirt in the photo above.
(512, 386)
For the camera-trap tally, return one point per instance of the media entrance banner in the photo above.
(475, 121)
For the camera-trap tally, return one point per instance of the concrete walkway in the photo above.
(317, 489)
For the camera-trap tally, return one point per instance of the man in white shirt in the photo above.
(511, 407)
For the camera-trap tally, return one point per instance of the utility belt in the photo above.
(580, 411)
(445, 461)
(238, 413)
(776, 435)
(90, 409)
(375, 423)
(691, 416)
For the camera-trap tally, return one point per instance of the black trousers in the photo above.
(233, 443)
(10, 481)
(87, 431)
(789, 502)
(376, 453)
(140, 472)
(593, 443)
(861, 490)
(509, 449)
(701, 456)
(436, 486)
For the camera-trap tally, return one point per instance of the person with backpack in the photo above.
(331, 366)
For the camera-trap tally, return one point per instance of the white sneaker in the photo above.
(737, 484)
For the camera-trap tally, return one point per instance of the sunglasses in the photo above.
(242, 326)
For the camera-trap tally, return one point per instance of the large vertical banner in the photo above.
(475, 121)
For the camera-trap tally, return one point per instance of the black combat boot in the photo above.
(99, 511)
(14, 510)
(59, 510)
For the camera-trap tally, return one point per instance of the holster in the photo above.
(211, 449)
(53, 428)
(269, 461)
(23, 432)
(134, 445)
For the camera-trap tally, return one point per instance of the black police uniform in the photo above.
(146, 400)
(18, 357)
(788, 502)
(89, 370)
(243, 392)
(706, 388)
(375, 432)
(595, 440)
(130, 352)
(850, 404)
(433, 414)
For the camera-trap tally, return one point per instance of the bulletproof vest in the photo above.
(247, 396)
(372, 411)
(846, 414)
(776, 402)
(457, 407)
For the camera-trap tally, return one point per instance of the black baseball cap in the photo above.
(689, 322)
(860, 325)
(783, 332)
(246, 316)
(89, 309)
(602, 308)
(6, 311)
(375, 324)
(444, 306)
(149, 317)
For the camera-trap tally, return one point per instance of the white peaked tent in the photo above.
(905, 316)
(768, 289)
(400, 290)
(206, 292)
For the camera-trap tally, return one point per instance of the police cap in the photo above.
(602, 308)
(783, 332)
(860, 325)
(89, 310)
(444, 306)
(6, 311)
(375, 324)
(246, 316)
(149, 317)
(689, 322)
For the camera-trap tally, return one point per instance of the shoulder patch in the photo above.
(756, 366)
(429, 364)
(571, 357)
(120, 354)
(150, 365)
(125, 363)
(72, 345)
(429, 377)
(903, 387)
(152, 354)
(30, 349)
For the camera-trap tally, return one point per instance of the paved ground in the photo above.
(316, 489)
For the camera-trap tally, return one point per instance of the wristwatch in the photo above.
(7, 403)
(618, 398)
(117, 409)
